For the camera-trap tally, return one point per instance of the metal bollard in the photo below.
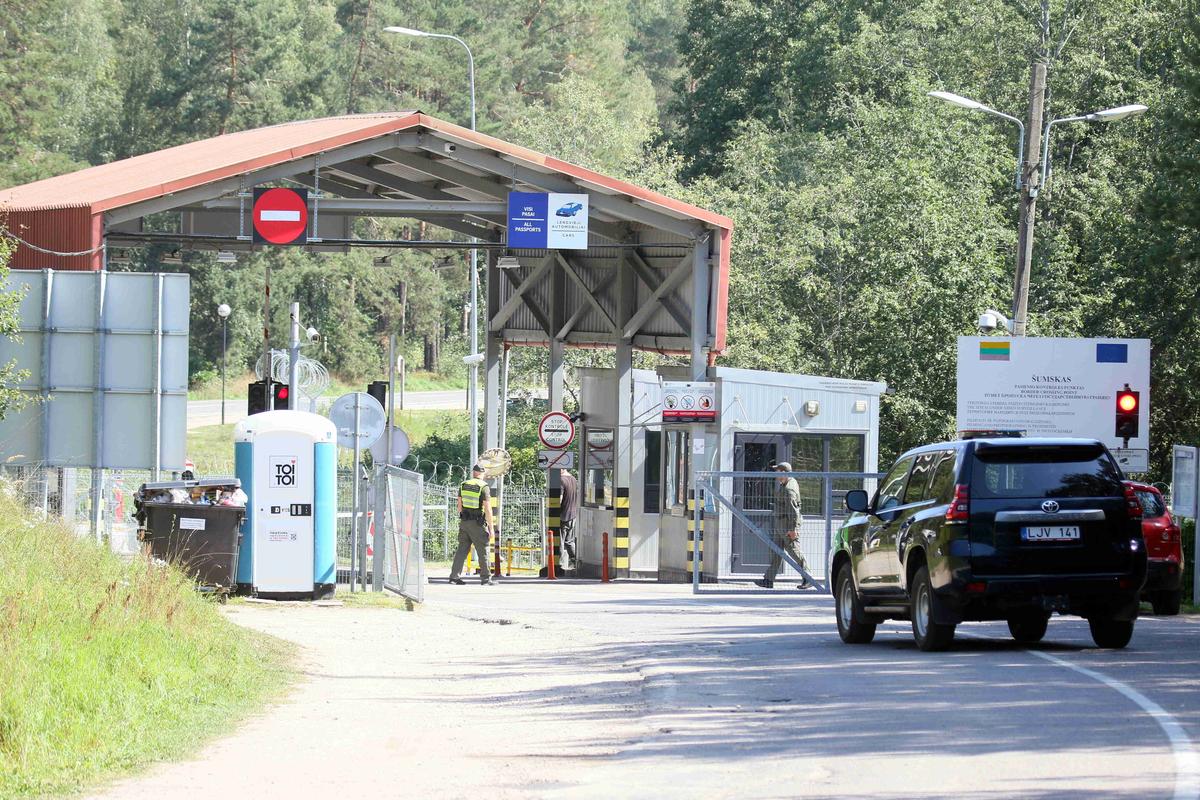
(604, 559)
(550, 556)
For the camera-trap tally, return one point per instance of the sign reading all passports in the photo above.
(547, 221)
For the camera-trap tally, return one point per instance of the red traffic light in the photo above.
(281, 397)
(1127, 401)
(282, 393)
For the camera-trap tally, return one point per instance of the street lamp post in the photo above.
(1029, 181)
(223, 311)
(473, 362)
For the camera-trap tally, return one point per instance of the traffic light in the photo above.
(256, 397)
(1128, 409)
(379, 390)
(280, 395)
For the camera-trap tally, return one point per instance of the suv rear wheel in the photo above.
(1029, 627)
(1111, 633)
(930, 635)
(850, 623)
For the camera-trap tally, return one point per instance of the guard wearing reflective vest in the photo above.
(474, 525)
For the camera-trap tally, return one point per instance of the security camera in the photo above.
(449, 147)
(991, 319)
(314, 336)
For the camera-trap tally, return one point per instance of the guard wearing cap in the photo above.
(785, 529)
(474, 525)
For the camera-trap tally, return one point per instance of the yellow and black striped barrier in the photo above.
(554, 517)
(621, 529)
(692, 538)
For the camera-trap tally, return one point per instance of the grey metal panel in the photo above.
(26, 352)
(71, 358)
(129, 446)
(69, 414)
(72, 302)
(71, 424)
(31, 287)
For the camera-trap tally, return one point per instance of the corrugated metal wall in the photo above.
(64, 230)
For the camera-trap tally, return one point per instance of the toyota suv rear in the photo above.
(992, 529)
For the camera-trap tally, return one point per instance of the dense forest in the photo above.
(873, 224)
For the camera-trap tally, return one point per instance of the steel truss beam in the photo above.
(680, 271)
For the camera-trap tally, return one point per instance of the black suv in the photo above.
(991, 529)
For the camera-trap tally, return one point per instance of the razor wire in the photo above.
(312, 377)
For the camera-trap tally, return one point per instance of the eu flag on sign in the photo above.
(1112, 354)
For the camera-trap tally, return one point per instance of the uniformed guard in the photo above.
(785, 527)
(474, 525)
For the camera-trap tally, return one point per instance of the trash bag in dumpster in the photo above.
(180, 523)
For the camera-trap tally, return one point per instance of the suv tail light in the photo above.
(960, 506)
(1133, 506)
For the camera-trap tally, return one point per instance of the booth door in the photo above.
(754, 452)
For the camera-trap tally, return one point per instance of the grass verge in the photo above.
(211, 447)
(109, 665)
(416, 381)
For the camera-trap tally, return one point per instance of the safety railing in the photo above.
(399, 546)
(746, 506)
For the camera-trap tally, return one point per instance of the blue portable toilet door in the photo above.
(283, 512)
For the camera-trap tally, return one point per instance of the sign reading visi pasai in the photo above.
(547, 221)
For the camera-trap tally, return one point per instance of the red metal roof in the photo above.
(65, 213)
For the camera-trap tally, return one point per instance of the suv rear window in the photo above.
(1152, 504)
(1045, 471)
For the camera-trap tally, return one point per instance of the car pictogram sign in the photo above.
(280, 216)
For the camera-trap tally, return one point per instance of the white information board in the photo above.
(1183, 481)
(1052, 387)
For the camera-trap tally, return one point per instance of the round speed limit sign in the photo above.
(556, 430)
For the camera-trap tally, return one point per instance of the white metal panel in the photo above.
(283, 543)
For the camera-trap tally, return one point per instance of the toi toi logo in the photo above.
(283, 472)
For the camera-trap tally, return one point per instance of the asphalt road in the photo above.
(582, 690)
(208, 412)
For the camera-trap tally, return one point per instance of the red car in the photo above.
(1164, 551)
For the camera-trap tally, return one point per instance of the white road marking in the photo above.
(1187, 761)
(279, 215)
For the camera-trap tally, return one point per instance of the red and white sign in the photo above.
(556, 430)
(280, 216)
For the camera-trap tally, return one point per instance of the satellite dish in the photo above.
(400, 448)
(495, 462)
(371, 419)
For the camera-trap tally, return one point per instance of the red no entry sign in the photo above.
(280, 216)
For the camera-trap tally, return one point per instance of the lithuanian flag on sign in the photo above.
(994, 351)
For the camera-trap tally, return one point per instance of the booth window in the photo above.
(676, 470)
(598, 468)
(652, 474)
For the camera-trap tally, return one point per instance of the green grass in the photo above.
(211, 447)
(109, 664)
(417, 381)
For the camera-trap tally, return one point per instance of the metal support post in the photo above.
(380, 495)
(158, 370)
(267, 375)
(1029, 193)
(294, 360)
(356, 564)
(391, 409)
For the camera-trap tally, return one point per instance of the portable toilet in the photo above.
(287, 463)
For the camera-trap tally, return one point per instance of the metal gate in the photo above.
(747, 500)
(400, 497)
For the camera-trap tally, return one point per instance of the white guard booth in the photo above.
(287, 463)
(817, 424)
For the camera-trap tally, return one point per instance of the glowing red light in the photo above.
(1127, 402)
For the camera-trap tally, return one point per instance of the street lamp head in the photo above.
(1120, 112)
(958, 100)
(405, 31)
(223, 311)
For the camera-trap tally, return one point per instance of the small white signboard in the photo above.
(1132, 460)
(1052, 387)
(686, 401)
(1183, 481)
(556, 459)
